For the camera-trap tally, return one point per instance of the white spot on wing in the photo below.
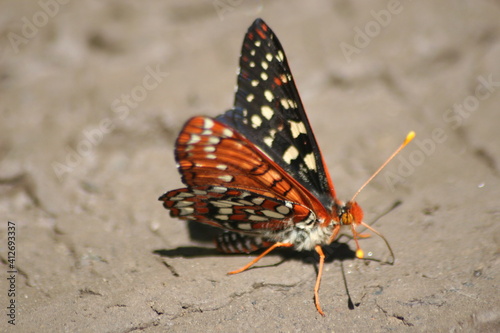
(290, 154)
(283, 210)
(279, 56)
(267, 112)
(181, 204)
(194, 139)
(268, 141)
(310, 161)
(250, 97)
(269, 95)
(257, 218)
(186, 211)
(220, 204)
(183, 195)
(256, 121)
(213, 140)
(226, 211)
(226, 178)
(244, 226)
(199, 192)
(206, 132)
(219, 189)
(297, 128)
(273, 214)
(258, 201)
(227, 133)
(284, 103)
(208, 123)
(244, 194)
(228, 202)
(264, 76)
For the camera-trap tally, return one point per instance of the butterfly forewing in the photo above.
(234, 186)
(269, 113)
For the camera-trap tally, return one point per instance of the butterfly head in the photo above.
(351, 214)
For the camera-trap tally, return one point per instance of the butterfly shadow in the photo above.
(202, 233)
(339, 251)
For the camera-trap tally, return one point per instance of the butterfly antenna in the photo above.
(407, 140)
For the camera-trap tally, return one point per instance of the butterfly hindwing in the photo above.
(235, 210)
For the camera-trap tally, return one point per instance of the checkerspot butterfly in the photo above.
(256, 171)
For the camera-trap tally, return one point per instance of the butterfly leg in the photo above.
(319, 250)
(251, 263)
(360, 235)
(360, 254)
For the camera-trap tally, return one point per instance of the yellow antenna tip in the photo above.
(410, 136)
(360, 254)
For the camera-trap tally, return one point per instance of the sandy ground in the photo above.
(93, 94)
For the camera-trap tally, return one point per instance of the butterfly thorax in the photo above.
(304, 237)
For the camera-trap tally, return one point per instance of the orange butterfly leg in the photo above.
(262, 255)
(319, 250)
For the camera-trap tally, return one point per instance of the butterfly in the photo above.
(256, 171)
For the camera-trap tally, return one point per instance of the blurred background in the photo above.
(93, 94)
